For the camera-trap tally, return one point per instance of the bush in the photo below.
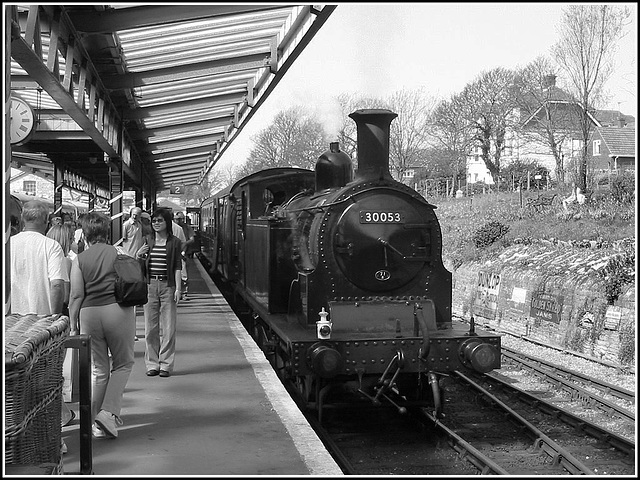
(620, 271)
(626, 355)
(489, 233)
(623, 188)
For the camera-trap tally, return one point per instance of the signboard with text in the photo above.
(546, 306)
(487, 289)
(177, 189)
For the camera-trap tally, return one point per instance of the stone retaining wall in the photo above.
(552, 294)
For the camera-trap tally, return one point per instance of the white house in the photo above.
(524, 144)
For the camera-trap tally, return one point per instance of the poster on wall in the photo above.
(546, 306)
(485, 303)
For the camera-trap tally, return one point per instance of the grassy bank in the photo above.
(481, 226)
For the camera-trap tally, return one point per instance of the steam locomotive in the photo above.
(344, 276)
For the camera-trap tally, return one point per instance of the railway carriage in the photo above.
(344, 276)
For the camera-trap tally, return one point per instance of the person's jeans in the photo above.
(112, 329)
(160, 313)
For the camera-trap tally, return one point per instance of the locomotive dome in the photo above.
(333, 168)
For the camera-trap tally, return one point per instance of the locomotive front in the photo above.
(370, 274)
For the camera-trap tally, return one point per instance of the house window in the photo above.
(596, 147)
(29, 187)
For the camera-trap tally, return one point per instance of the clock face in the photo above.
(22, 121)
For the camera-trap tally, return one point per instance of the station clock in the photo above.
(23, 121)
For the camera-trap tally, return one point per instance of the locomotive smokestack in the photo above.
(373, 126)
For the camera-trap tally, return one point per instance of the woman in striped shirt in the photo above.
(161, 252)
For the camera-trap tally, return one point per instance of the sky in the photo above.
(376, 49)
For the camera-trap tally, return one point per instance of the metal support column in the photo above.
(115, 203)
(83, 344)
(58, 183)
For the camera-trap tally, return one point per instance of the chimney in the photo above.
(621, 121)
(374, 126)
(549, 81)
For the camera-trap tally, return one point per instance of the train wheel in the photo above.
(305, 386)
(256, 333)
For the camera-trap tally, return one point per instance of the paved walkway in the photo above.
(222, 412)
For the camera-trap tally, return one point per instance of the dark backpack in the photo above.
(131, 285)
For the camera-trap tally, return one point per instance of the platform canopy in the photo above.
(158, 90)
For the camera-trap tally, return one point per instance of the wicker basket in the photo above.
(33, 356)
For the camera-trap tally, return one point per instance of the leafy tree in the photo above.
(487, 106)
(585, 52)
(294, 139)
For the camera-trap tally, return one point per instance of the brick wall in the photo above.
(552, 294)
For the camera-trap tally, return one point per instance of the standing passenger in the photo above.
(38, 269)
(78, 244)
(93, 308)
(145, 219)
(162, 267)
(63, 235)
(188, 234)
(38, 272)
(132, 233)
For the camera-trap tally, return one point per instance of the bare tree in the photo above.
(223, 176)
(588, 40)
(451, 135)
(548, 114)
(409, 131)
(195, 194)
(293, 139)
(347, 135)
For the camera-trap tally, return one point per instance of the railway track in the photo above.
(594, 447)
(366, 440)
(499, 440)
(489, 427)
(613, 400)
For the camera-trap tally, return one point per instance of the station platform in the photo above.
(223, 411)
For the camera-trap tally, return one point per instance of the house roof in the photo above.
(609, 118)
(621, 142)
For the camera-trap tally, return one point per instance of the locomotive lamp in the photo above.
(323, 326)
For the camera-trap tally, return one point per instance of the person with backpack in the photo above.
(163, 264)
(94, 310)
(78, 244)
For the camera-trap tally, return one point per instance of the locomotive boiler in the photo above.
(344, 276)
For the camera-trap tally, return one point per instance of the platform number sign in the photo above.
(177, 189)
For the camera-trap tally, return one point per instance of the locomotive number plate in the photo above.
(381, 217)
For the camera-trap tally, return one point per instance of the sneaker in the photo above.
(97, 431)
(108, 422)
(68, 416)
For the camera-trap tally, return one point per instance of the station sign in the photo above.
(177, 189)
